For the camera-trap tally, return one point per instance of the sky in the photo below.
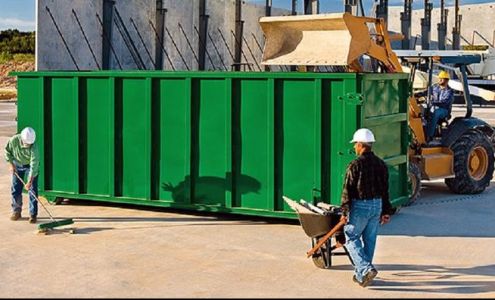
(17, 14)
(327, 6)
(20, 14)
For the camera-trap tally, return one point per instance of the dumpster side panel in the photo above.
(96, 124)
(340, 120)
(298, 137)
(174, 142)
(30, 112)
(211, 141)
(253, 140)
(385, 113)
(133, 136)
(63, 136)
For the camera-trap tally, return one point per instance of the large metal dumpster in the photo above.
(230, 142)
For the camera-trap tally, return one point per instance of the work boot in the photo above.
(355, 280)
(32, 219)
(15, 216)
(368, 277)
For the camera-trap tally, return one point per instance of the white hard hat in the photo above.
(363, 135)
(28, 136)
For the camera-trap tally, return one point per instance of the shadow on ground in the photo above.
(431, 278)
(438, 212)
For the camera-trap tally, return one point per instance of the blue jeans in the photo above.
(363, 222)
(438, 114)
(17, 188)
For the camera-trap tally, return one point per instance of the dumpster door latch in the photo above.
(352, 98)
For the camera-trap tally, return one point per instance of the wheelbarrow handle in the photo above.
(327, 236)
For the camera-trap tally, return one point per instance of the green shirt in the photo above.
(15, 151)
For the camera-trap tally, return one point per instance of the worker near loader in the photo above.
(442, 97)
(22, 155)
(365, 205)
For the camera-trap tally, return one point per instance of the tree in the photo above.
(12, 41)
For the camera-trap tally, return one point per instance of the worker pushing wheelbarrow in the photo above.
(365, 200)
(324, 225)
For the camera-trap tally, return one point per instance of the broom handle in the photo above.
(29, 191)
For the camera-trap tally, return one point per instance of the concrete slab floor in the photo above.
(440, 247)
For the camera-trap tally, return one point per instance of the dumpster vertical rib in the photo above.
(326, 135)
(230, 194)
(236, 152)
(271, 168)
(48, 116)
(155, 139)
(194, 147)
(338, 145)
(278, 90)
(403, 108)
(75, 133)
(317, 162)
(118, 142)
(40, 128)
(111, 136)
(148, 99)
(189, 141)
(82, 125)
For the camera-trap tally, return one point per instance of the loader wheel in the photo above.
(473, 164)
(415, 180)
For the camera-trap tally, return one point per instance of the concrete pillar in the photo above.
(202, 34)
(456, 31)
(107, 32)
(405, 18)
(426, 26)
(442, 26)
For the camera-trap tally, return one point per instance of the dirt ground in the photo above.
(8, 84)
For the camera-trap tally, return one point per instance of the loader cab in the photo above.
(423, 67)
(462, 152)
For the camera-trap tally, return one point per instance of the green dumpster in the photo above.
(230, 142)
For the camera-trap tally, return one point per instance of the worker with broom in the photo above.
(22, 155)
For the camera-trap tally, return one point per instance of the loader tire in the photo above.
(414, 175)
(473, 164)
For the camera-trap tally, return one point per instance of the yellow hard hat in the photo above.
(444, 75)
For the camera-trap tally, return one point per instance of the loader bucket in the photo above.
(338, 39)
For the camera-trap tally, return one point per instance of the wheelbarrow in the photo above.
(325, 230)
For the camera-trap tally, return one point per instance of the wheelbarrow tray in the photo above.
(316, 225)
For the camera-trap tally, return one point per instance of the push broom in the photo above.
(50, 225)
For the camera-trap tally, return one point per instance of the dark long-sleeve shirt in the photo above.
(366, 178)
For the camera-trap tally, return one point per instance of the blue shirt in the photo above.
(442, 97)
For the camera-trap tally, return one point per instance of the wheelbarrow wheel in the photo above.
(319, 261)
(323, 257)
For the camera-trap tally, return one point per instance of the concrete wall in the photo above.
(479, 17)
(51, 52)
(181, 22)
